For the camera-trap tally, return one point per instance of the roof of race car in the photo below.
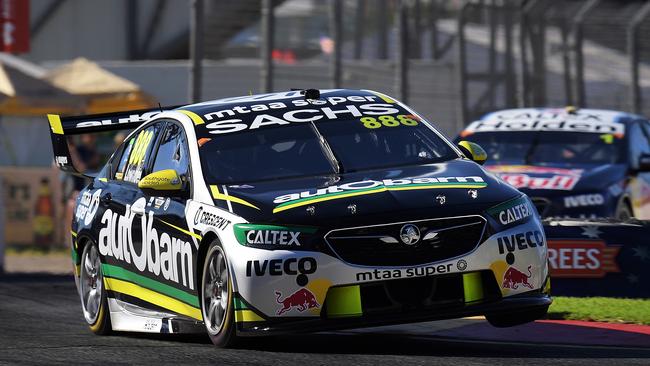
(254, 111)
(325, 94)
(567, 119)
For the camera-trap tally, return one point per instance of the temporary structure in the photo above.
(24, 93)
(103, 90)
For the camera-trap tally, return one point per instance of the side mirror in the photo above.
(644, 163)
(473, 152)
(161, 183)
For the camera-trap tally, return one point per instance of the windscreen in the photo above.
(328, 141)
(384, 141)
(264, 154)
(550, 148)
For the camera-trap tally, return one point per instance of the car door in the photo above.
(120, 236)
(639, 185)
(640, 144)
(178, 244)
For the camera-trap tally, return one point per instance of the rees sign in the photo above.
(582, 258)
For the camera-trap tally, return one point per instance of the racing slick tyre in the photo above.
(511, 319)
(216, 297)
(92, 291)
(623, 211)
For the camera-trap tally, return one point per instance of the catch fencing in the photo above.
(456, 60)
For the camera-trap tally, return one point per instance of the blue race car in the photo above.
(570, 162)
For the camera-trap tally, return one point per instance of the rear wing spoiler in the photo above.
(61, 127)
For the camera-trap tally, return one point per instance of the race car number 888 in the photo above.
(388, 121)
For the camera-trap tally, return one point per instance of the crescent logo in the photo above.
(198, 215)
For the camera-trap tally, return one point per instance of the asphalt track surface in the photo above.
(41, 323)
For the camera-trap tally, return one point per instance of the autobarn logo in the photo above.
(87, 206)
(136, 118)
(520, 241)
(156, 253)
(582, 258)
(210, 219)
(373, 186)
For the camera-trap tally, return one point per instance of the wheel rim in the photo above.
(91, 281)
(215, 291)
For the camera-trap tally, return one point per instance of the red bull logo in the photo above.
(513, 278)
(302, 300)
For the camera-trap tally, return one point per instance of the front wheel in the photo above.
(216, 297)
(92, 291)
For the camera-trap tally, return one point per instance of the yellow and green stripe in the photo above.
(196, 119)
(243, 313)
(362, 192)
(75, 261)
(118, 279)
(187, 232)
(226, 197)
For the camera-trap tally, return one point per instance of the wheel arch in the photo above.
(208, 237)
(626, 200)
(80, 243)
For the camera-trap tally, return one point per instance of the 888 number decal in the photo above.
(389, 121)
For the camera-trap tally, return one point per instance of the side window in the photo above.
(173, 151)
(638, 143)
(646, 129)
(140, 152)
(119, 172)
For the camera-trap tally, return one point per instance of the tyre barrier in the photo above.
(599, 257)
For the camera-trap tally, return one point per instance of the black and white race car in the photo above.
(581, 163)
(296, 211)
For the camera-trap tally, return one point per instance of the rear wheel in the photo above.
(216, 297)
(92, 292)
(513, 318)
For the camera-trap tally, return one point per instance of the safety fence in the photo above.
(476, 56)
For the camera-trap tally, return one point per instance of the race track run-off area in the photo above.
(41, 323)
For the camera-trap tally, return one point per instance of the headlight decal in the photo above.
(513, 211)
(272, 236)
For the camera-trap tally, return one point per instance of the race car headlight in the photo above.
(512, 212)
(275, 236)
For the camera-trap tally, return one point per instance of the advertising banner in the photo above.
(14, 24)
(33, 210)
(2, 231)
(599, 258)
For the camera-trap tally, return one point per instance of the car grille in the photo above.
(542, 205)
(422, 293)
(380, 245)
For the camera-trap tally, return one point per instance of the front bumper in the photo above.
(288, 291)
(532, 301)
